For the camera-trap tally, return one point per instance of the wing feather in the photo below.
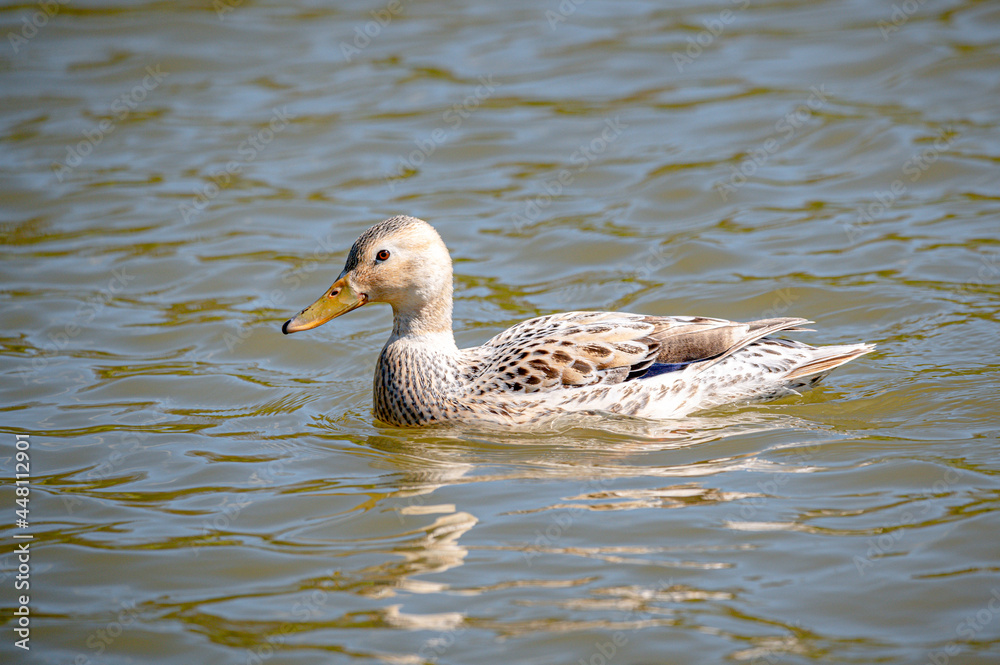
(577, 349)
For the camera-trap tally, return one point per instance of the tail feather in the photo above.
(830, 358)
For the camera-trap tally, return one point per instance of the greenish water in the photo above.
(179, 178)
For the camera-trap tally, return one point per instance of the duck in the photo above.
(583, 362)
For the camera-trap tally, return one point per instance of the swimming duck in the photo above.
(542, 368)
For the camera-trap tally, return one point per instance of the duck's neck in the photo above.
(418, 368)
(428, 319)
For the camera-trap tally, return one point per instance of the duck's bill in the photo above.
(339, 299)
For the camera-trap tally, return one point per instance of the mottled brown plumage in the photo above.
(651, 366)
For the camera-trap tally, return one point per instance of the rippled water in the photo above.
(179, 178)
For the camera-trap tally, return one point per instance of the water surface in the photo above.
(178, 179)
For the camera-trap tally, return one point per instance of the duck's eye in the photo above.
(382, 255)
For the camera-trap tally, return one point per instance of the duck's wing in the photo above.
(587, 348)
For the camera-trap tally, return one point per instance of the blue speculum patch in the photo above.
(656, 369)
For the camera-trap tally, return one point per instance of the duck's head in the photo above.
(401, 261)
